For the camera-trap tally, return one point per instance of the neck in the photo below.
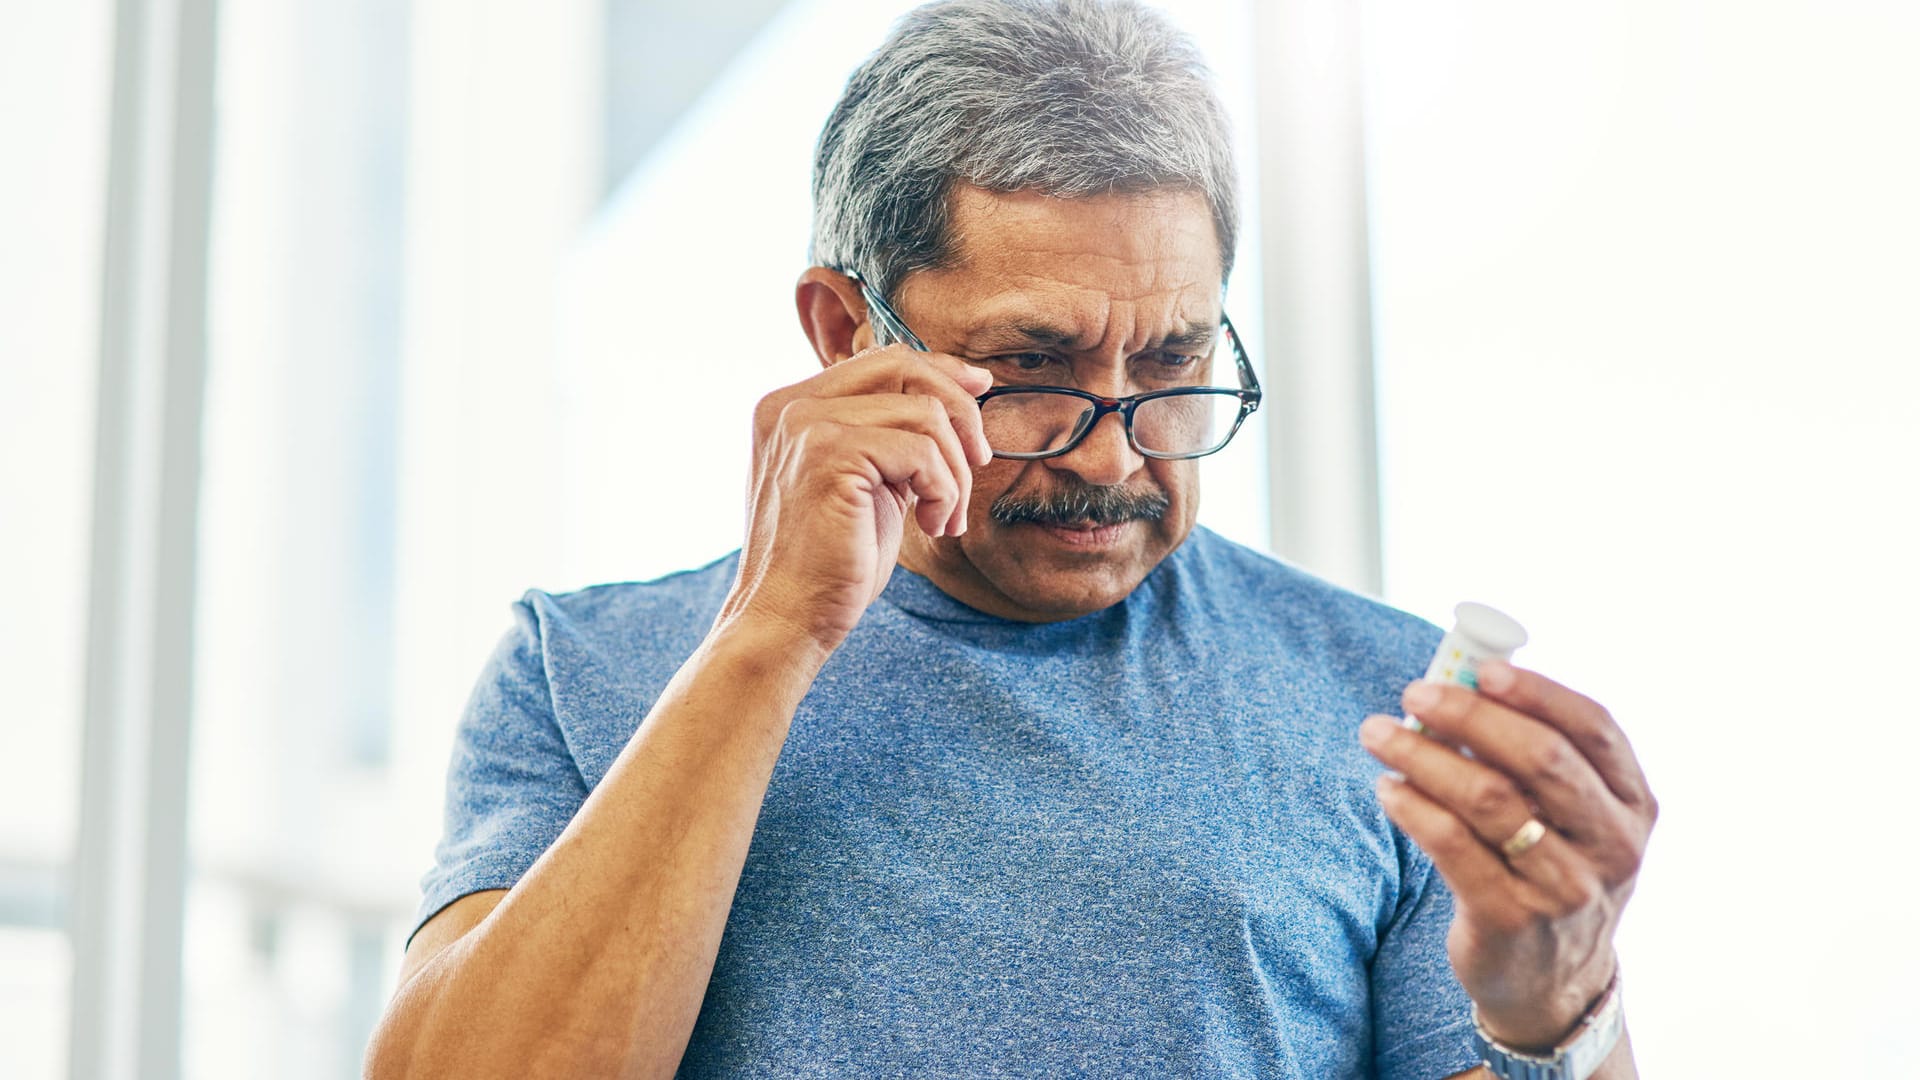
(952, 573)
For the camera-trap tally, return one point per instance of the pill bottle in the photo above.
(1479, 634)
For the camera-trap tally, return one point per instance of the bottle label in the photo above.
(1458, 661)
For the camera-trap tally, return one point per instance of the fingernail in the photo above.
(1421, 695)
(1496, 676)
(1374, 731)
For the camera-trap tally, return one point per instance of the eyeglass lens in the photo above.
(1038, 422)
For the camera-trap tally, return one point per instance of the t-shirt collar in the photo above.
(919, 596)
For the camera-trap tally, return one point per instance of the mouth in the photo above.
(1084, 534)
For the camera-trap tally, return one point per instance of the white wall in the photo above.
(1646, 289)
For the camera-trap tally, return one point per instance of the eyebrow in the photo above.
(1000, 336)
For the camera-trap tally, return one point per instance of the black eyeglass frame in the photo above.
(1249, 392)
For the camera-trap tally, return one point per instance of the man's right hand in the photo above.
(596, 962)
(839, 461)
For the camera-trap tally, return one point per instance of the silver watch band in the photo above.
(1577, 1058)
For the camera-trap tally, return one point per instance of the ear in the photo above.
(832, 314)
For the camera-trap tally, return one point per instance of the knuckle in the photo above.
(1580, 894)
(1456, 709)
(1453, 837)
(1527, 691)
(1488, 798)
(1479, 714)
(1398, 742)
(934, 455)
(768, 410)
(791, 414)
(1551, 763)
(1604, 738)
(1617, 833)
(935, 468)
(1544, 908)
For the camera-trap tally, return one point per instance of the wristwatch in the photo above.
(1577, 1056)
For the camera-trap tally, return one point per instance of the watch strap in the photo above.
(1576, 1058)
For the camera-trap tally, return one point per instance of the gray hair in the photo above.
(1065, 97)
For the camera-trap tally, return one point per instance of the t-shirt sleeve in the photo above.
(1421, 1021)
(512, 785)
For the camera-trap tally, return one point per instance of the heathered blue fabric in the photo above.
(1141, 842)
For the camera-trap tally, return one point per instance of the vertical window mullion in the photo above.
(130, 859)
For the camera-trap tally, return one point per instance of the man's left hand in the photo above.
(1532, 937)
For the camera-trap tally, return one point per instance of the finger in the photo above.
(911, 460)
(974, 380)
(925, 414)
(1542, 761)
(1488, 801)
(1486, 892)
(897, 369)
(892, 370)
(922, 414)
(1478, 877)
(957, 385)
(1581, 719)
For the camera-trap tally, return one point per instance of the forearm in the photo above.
(596, 962)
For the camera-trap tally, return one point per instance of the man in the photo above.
(978, 757)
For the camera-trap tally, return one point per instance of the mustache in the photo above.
(1083, 504)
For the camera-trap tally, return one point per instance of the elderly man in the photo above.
(979, 757)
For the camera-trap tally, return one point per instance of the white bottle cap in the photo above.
(1493, 630)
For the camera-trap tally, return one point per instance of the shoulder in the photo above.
(630, 612)
(605, 653)
(1279, 604)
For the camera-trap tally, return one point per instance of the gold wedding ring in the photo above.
(1523, 839)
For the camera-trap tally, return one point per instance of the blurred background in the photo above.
(332, 325)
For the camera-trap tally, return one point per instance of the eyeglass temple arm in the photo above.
(879, 311)
(1241, 364)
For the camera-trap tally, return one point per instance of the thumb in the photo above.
(974, 380)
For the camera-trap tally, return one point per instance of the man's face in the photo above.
(1082, 292)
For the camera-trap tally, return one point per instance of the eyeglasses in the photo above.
(1027, 423)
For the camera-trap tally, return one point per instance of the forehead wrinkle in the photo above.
(1015, 318)
(1097, 276)
(995, 336)
(1097, 238)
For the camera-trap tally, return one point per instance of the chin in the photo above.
(1036, 575)
(1053, 598)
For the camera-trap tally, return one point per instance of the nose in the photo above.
(1103, 457)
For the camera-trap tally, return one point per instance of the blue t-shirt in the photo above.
(1143, 841)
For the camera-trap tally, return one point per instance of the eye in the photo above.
(1177, 362)
(1026, 361)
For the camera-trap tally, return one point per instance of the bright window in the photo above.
(51, 194)
(1644, 287)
